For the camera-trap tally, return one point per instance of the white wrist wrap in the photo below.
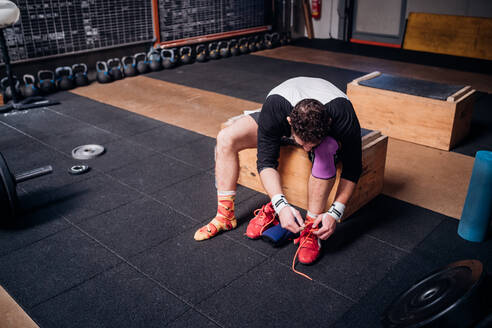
(336, 210)
(279, 202)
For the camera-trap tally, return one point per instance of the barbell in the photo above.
(8, 191)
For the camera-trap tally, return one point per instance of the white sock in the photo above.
(226, 192)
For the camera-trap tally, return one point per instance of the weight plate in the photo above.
(435, 296)
(8, 192)
(78, 169)
(87, 151)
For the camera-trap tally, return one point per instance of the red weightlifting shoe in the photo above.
(309, 244)
(265, 217)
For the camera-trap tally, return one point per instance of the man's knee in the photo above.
(238, 136)
(226, 140)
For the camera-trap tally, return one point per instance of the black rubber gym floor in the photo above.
(115, 248)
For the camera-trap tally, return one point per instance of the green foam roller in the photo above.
(477, 212)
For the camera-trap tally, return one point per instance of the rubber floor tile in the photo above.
(368, 311)
(445, 246)
(136, 226)
(391, 220)
(129, 125)
(270, 295)
(46, 268)
(120, 297)
(165, 138)
(195, 270)
(266, 73)
(192, 319)
(154, 173)
(42, 122)
(197, 196)
(86, 198)
(86, 109)
(33, 155)
(85, 136)
(117, 154)
(29, 229)
(361, 262)
(199, 153)
(11, 138)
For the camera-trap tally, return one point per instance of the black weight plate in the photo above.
(435, 296)
(8, 193)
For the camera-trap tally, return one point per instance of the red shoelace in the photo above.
(306, 239)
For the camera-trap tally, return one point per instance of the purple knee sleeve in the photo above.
(324, 161)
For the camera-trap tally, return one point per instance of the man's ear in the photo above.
(288, 120)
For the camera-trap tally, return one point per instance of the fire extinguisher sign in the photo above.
(316, 9)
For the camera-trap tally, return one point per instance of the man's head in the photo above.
(310, 123)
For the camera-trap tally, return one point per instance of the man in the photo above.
(319, 118)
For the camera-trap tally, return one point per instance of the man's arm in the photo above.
(344, 192)
(288, 214)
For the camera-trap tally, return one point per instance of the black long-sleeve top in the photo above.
(345, 127)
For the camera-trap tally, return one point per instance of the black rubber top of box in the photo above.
(414, 87)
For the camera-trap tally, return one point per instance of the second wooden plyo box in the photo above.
(427, 113)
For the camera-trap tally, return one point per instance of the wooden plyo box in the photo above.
(438, 123)
(295, 169)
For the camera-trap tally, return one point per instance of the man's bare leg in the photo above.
(240, 135)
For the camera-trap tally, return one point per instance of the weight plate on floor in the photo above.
(8, 192)
(78, 169)
(436, 297)
(87, 151)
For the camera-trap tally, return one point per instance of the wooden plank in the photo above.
(450, 35)
(11, 314)
(458, 94)
(190, 108)
(367, 77)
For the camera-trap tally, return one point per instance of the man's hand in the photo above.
(291, 219)
(328, 226)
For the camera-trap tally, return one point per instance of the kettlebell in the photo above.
(129, 68)
(46, 80)
(154, 58)
(234, 46)
(282, 40)
(168, 58)
(275, 39)
(268, 41)
(7, 91)
(243, 45)
(201, 53)
(103, 72)
(213, 50)
(114, 67)
(224, 49)
(80, 74)
(143, 64)
(259, 42)
(185, 55)
(29, 88)
(251, 44)
(64, 78)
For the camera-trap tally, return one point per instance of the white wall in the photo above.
(324, 28)
(327, 26)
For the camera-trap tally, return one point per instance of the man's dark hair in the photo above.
(309, 121)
